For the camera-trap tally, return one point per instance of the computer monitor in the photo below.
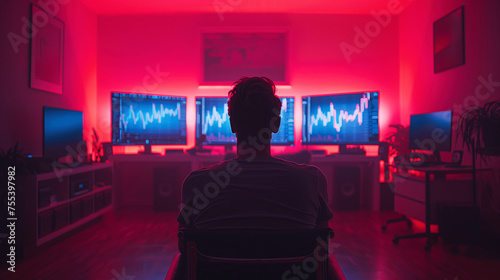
(62, 132)
(431, 132)
(285, 135)
(212, 122)
(145, 119)
(341, 119)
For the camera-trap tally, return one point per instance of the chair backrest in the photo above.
(255, 254)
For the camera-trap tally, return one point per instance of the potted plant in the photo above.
(480, 130)
(399, 142)
(96, 146)
(14, 156)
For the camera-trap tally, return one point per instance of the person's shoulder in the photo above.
(205, 171)
(298, 166)
(309, 174)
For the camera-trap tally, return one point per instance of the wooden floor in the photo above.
(140, 245)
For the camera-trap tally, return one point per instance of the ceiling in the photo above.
(127, 7)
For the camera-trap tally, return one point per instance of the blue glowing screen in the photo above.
(340, 119)
(212, 120)
(431, 131)
(139, 119)
(62, 132)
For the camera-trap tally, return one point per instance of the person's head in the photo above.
(253, 108)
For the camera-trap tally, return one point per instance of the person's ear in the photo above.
(233, 127)
(276, 125)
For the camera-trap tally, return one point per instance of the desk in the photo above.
(137, 184)
(154, 181)
(414, 195)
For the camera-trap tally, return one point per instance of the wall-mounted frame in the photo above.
(449, 41)
(47, 51)
(229, 55)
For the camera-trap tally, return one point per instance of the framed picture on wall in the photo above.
(47, 48)
(449, 41)
(227, 56)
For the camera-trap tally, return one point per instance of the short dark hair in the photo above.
(252, 105)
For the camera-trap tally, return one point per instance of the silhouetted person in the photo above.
(255, 190)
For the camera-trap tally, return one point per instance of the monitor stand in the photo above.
(437, 156)
(147, 150)
(356, 150)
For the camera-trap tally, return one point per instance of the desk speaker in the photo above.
(456, 160)
(347, 188)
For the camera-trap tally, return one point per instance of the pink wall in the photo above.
(130, 45)
(423, 91)
(22, 108)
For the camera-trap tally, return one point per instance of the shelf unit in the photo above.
(55, 203)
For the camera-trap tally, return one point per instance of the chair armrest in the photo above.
(181, 239)
(174, 266)
(334, 270)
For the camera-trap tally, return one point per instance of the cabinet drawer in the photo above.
(409, 187)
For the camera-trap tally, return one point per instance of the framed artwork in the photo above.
(227, 56)
(449, 41)
(47, 47)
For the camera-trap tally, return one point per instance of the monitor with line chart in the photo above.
(340, 119)
(212, 120)
(142, 119)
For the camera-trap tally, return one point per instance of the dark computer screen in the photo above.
(431, 132)
(141, 119)
(338, 119)
(212, 120)
(62, 132)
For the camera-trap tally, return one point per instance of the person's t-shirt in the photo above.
(265, 193)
